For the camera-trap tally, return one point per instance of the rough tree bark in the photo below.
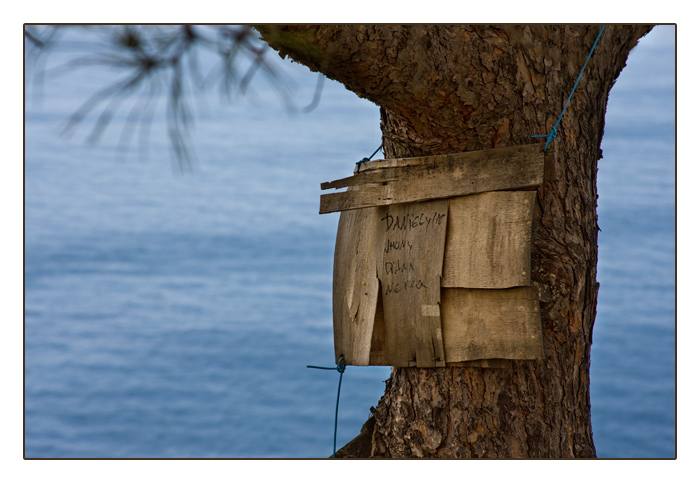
(444, 89)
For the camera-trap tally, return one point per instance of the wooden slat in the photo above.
(387, 182)
(488, 240)
(367, 178)
(355, 285)
(411, 257)
(517, 152)
(491, 324)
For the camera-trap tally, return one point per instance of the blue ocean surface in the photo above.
(633, 368)
(172, 315)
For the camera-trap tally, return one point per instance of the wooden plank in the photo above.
(411, 257)
(517, 152)
(491, 324)
(489, 240)
(355, 285)
(435, 177)
(367, 178)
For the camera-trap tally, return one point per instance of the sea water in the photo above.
(173, 314)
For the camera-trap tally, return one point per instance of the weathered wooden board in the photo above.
(489, 240)
(491, 324)
(413, 280)
(355, 285)
(412, 253)
(387, 182)
(511, 152)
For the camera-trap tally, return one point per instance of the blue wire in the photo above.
(340, 368)
(364, 160)
(553, 132)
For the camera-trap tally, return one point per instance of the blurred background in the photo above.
(171, 308)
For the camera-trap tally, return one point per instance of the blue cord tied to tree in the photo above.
(340, 367)
(364, 160)
(553, 132)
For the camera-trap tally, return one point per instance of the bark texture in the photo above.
(445, 89)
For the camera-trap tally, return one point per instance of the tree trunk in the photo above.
(445, 89)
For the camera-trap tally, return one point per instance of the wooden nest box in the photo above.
(432, 260)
